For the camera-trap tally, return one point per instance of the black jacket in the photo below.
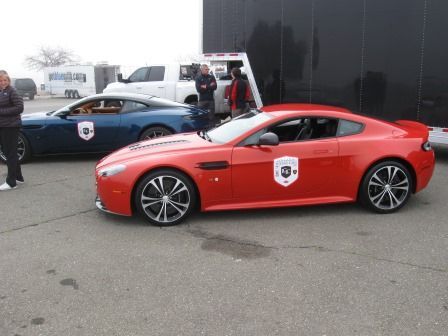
(210, 82)
(11, 106)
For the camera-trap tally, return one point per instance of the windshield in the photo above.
(238, 126)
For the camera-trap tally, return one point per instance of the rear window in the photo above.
(27, 83)
(349, 127)
(156, 74)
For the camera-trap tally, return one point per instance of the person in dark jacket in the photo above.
(11, 106)
(238, 94)
(206, 86)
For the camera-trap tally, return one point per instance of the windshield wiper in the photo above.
(204, 135)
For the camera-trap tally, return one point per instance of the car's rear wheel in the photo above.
(165, 197)
(31, 96)
(386, 187)
(23, 150)
(154, 132)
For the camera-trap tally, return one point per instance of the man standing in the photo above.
(205, 86)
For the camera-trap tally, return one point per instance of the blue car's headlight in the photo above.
(112, 170)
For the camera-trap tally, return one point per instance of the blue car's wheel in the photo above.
(23, 150)
(154, 132)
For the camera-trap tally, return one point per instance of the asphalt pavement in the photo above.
(68, 269)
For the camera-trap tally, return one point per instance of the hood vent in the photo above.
(149, 145)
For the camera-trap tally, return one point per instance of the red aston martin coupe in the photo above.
(284, 155)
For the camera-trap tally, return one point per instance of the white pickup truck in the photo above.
(175, 81)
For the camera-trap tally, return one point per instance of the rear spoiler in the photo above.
(412, 124)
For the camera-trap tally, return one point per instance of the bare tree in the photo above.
(49, 56)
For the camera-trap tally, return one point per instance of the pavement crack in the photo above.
(60, 180)
(47, 221)
(405, 263)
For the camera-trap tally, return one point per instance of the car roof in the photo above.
(134, 96)
(282, 110)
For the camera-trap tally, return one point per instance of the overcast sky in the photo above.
(129, 33)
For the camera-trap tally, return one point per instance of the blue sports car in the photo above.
(103, 123)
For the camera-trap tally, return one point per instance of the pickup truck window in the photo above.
(139, 75)
(156, 74)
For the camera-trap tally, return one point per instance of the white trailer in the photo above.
(75, 81)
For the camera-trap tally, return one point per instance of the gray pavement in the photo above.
(68, 269)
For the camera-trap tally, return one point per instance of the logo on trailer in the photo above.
(86, 130)
(286, 170)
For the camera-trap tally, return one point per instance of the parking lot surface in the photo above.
(68, 269)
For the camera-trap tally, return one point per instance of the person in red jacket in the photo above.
(11, 106)
(238, 94)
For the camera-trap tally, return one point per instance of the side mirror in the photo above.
(268, 139)
(120, 77)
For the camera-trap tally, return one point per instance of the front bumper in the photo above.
(100, 205)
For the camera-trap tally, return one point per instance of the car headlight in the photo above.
(112, 170)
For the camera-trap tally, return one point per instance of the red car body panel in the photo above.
(228, 176)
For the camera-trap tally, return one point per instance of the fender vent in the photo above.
(141, 145)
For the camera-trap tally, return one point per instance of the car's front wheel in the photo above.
(165, 197)
(154, 132)
(386, 187)
(23, 150)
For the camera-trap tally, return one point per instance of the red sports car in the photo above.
(284, 155)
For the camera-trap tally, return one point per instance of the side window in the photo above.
(156, 74)
(305, 129)
(288, 131)
(139, 75)
(132, 106)
(349, 127)
(106, 106)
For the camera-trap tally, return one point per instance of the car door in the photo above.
(292, 170)
(94, 131)
(153, 83)
(137, 79)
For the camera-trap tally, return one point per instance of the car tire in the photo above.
(386, 187)
(23, 149)
(165, 197)
(31, 97)
(154, 132)
(67, 94)
(76, 94)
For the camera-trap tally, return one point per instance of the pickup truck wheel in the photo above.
(154, 132)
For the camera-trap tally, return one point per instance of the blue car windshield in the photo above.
(238, 126)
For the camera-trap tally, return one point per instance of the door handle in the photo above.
(321, 151)
(138, 87)
(160, 87)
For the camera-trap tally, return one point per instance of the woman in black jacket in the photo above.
(11, 106)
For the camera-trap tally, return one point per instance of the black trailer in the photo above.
(384, 58)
